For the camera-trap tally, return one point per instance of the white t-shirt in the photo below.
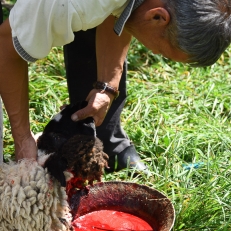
(39, 25)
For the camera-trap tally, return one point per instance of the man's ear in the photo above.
(159, 15)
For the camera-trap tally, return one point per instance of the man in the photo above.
(188, 31)
(81, 73)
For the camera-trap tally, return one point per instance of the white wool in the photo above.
(30, 200)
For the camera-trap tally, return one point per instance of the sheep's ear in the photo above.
(56, 166)
(72, 108)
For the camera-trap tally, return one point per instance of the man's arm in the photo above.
(111, 51)
(14, 92)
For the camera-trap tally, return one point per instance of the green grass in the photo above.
(175, 115)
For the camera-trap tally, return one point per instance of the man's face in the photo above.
(166, 49)
(160, 45)
(149, 25)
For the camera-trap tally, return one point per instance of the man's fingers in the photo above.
(83, 114)
(98, 105)
(75, 117)
(97, 120)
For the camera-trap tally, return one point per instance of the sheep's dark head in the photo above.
(74, 146)
(61, 128)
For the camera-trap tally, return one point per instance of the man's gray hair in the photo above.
(200, 28)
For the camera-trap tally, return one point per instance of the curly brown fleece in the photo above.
(85, 157)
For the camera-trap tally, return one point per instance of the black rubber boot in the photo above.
(129, 158)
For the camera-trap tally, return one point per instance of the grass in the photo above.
(176, 115)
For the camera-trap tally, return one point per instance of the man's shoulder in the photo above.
(94, 12)
(114, 5)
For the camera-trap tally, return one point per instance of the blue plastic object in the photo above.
(193, 165)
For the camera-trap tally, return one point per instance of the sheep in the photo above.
(30, 200)
(33, 194)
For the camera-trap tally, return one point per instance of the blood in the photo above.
(73, 185)
(110, 220)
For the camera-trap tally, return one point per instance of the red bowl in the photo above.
(146, 203)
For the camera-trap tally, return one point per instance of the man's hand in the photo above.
(98, 106)
(25, 147)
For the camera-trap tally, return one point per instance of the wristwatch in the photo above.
(105, 87)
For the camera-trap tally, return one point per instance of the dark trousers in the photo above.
(81, 72)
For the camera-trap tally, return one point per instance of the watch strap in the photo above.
(106, 87)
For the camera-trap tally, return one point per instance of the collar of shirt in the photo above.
(132, 5)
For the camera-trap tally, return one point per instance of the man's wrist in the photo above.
(105, 87)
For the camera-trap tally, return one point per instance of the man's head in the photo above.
(192, 31)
